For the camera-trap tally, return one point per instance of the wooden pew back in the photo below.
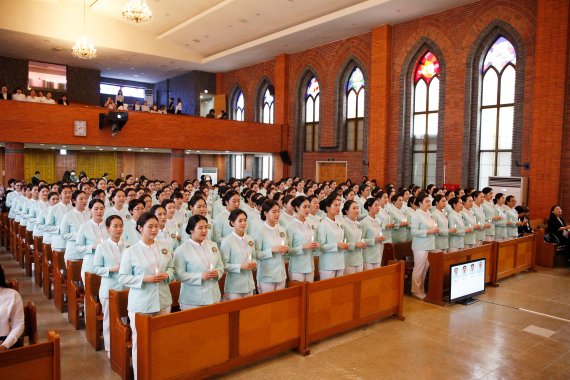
(37, 361)
(396, 251)
(37, 253)
(47, 271)
(59, 281)
(121, 343)
(516, 255)
(75, 294)
(93, 311)
(221, 336)
(439, 264)
(343, 303)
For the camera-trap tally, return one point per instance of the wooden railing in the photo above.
(37, 361)
(516, 255)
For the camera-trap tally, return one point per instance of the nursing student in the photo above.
(288, 211)
(478, 199)
(490, 213)
(198, 266)
(353, 262)
(302, 242)
(106, 262)
(512, 217)
(130, 234)
(238, 256)
(55, 216)
(439, 215)
(197, 206)
(423, 231)
(501, 222)
(457, 228)
(372, 236)
(12, 322)
(146, 269)
(330, 236)
(172, 225)
(117, 201)
(222, 228)
(399, 219)
(270, 247)
(90, 234)
(469, 220)
(385, 218)
(163, 234)
(71, 222)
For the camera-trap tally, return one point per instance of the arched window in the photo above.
(312, 115)
(425, 107)
(239, 106)
(267, 106)
(355, 93)
(497, 111)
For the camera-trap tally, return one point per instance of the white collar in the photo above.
(239, 237)
(196, 244)
(146, 245)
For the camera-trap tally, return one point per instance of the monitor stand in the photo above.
(468, 301)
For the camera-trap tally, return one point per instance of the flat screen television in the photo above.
(467, 280)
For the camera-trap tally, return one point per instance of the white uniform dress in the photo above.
(12, 316)
(108, 254)
(89, 234)
(53, 222)
(301, 263)
(270, 266)
(68, 229)
(237, 250)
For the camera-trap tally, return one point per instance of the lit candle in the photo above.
(282, 242)
(156, 270)
(249, 257)
(211, 266)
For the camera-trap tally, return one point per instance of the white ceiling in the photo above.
(209, 35)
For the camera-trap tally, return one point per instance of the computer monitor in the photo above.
(466, 281)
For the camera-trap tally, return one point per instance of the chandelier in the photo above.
(137, 11)
(84, 48)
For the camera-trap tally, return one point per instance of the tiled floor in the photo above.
(484, 340)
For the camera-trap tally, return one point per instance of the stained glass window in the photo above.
(267, 107)
(425, 120)
(496, 114)
(312, 115)
(239, 106)
(355, 93)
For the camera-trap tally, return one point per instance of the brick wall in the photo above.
(153, 165)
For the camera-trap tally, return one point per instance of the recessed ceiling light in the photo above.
(100, 148)
(96, 147)
(114, 148)
(129, 149)
(146, 148)
(83, 148)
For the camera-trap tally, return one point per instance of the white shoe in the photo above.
(419, 295)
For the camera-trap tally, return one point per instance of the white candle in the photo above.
(156, 270)
(282, 242)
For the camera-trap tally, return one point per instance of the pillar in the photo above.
(548, 105)
(281, 111)
(379, 103)
(177, 165)
(14, 161)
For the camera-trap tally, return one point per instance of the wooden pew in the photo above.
(38, 249)
(59, 281)
(439, 264)
(547, 254)
(121, 338)
(14, 228)
(516, 255)
(121, 343)
(396, 251)
(30, 319)
(4, 230)
(221, 337)
(47, 271)
(37, 361)
(28, 251)
(75, 294)
(343, 303)
(93, 311)
(21, 245)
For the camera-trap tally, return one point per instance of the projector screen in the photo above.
(467, 279)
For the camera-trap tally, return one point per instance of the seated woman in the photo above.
(12, 315)
(558, 227)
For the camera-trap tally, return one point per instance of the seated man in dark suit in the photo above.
(4, 95)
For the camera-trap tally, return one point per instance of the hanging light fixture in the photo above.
(84, 48)
(137, 11)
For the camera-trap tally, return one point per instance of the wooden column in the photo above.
(281, 111)
(548, 105)
(379, 111)
(14, 161)
(177, 165)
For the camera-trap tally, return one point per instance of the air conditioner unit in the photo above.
(517, 186)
